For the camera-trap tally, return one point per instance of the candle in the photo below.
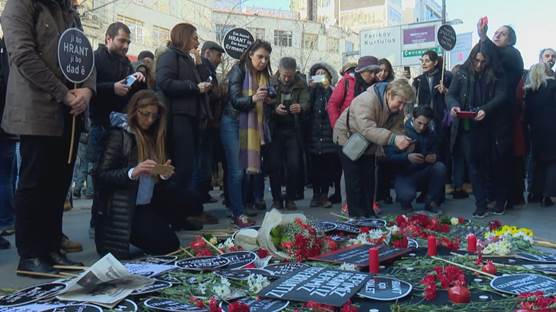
(373, 260)
(471, 243)
(431, 245)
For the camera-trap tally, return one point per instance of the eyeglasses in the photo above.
(145, 114)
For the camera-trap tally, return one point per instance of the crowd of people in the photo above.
(148, 151)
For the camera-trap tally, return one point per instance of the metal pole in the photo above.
(443, 12)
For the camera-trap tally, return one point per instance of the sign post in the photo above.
(236, 41)
(77, 61)
(447, 39)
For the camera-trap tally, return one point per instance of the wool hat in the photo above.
(366, 63)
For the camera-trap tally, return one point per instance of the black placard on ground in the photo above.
(359, 255)
(161, 304)
(536, 258)
(154, 287)
(262, 305)
(159, 259)
(347, 228)
(125, 306)
(32, 294)
(326, 226)
(169, 278)
(283, 269)
(243, 274)
(447, 37)
(326, 286)
(239, 259)
(370, 222)
(76, 308)
(203, 263)
(544, 268)
(236, 41)
(385, 289)
(75, 56)
(524, 283)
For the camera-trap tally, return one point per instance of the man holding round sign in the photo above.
(40, 105)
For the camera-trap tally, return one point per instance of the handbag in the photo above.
(356, 144)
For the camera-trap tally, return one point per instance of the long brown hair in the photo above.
(151, 142)
(181, 34)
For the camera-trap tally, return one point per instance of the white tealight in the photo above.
(374, 310)
(412, 254)
(484, 297)
(478, 280)
(382, 267)
(409, 269)
(511, 260)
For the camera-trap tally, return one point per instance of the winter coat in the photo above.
(36, 85)
(177, 77)
(318, 126)
(341, 98)
(299, 94)
(492, 134)
(426, 143)
(431, 97)
(111, 68)
(4, 74)
(370, 116)
(540, 109)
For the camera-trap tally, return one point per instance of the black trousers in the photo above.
(360, 184)
(285, 149)
(44, 180)
(151, 232)
(183, 145)
(322, 174)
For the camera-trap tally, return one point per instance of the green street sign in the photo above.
(419, 52)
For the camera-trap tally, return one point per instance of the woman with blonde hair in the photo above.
(129, 176)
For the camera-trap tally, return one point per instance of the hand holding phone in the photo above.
(466, 114)
(130, 80)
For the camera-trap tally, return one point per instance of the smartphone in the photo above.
(318, 78)
(130, 80)
(466, 114)
(484, 21)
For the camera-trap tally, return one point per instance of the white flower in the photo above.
(348, 267)
(454, 221)
(202, 289)
(222, 290)
(257, 282)
(227, 244)
(394, 229)
(501, 248)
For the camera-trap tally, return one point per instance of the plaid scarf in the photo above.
(251, 126)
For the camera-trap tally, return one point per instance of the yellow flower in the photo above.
(213, 240)
(527, 232)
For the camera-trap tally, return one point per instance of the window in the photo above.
(310, 41)
(282, 38)
(221, 30)
(349, 46)
(136, 27)
(332, 45)
(258, 33)
(161, 35)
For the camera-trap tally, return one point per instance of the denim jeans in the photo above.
(8, 173)
(229, 134)
(430, 179)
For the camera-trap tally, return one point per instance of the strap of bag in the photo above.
(347, 122)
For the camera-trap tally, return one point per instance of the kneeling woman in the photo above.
(130, 209)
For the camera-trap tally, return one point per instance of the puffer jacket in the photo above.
(319, 130)
(370, 116)
(341, 98)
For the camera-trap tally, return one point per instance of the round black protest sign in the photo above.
(446, 37)
(282, 269)
(75, 55)
(243, 274)
(262, 305)
(545, 258)
(76, 308)
(370, 222)
(158, 259)
(385, 289)
(236, 41)
(347, 228)
(125, 306)
(169, 278)
(161, 304)
(325, 226)
(32, 294)
(517, 284)
(154, 287)
(239, 259)
(203, 263)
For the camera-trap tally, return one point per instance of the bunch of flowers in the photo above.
(506, 239)
(448, 276)
(370, 237)
(299, 240)
(319, 307)
(536, 302)
(200, 247)
(420, 225)
(257, 282)
(228, 245)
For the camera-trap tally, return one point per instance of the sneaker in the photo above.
(499, 211)
(448, 189)
(68, 245)
(316, 201)
(468, 188)
(459, 194)
(480, 213)
(243, 221)
(324, 202)
(277, 204)
(290, 205)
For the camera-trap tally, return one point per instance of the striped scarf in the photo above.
(251, 126)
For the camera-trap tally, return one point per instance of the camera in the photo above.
(271, 92)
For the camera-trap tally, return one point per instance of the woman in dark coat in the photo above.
(130, 210)
(323, 152)
(540, 109)
(183, 81)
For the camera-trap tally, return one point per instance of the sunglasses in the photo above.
(145, 114)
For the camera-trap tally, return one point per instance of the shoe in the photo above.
(448, 189)
(324, 202)
(533, 198)
(69, 246)
(290, 205)
(76, 193)
(459, 194)
(243, 221)
(260, 205)
(187, 225)
(499, 211)
(67, 205)
(421, 198)
(316, 201)
(35, 267)
(57, 258)
(468, 188)
(546, 202)
(335, 198)
(480, 213)
(277, 204)
(4, 243)
(9, 230)
(209, 199)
